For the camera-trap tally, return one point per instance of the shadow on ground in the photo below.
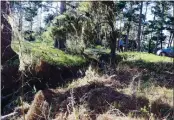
(160, 73)
(96, 98)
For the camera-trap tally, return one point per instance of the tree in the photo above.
(8, 72)
(31, 10)
(60, 43)
(70, 25)
(139, 26)
(17, 9)
(160, 10)
(109, 10)
(6, 33)
(24, 13)
(170, 25)
(144, 20)
(131, 17)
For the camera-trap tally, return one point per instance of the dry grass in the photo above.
(90, 76)
(76, 100)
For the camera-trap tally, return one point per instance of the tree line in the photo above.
(77, 25)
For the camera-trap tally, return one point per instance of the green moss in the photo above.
(51, 55)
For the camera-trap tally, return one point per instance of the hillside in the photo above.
(138, 91)
(87, 60)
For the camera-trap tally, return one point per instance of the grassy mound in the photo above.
(147, 61)
(130, 56)
(42, 51)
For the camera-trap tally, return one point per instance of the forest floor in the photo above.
(141, 89)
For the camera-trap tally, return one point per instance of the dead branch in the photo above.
(8, 116)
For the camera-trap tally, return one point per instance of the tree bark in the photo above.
(20, 18)
(161, 42)
(173, 28)
(156, 46)
(149, 46)
(170, 40)
(142, 36)
(6, 33)
(9, 73)
(139, 27)
(127, 37)
(128, 30)
(113, 36)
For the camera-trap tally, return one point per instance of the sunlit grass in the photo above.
(145, 57)
(49, 54)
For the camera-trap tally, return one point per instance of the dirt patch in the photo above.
(96, 98)
(43, 76)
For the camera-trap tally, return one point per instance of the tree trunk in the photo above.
(173, 28)
(61, 41)
(113, 44)
(56, 45)
(20, 19)
(113, 50)
(127, 37)
(139, 27)
(113, 36)
(62, 7)
(149, 46)
(6, 34)
(170, 40)
(161, 42)
(9, 73)
(128, 30)
(156, 46)
(120, 33)
(142, 36)
(150, 51)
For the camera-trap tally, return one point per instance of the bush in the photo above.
(75, 46)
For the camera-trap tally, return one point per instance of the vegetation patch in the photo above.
(147, 61)
(53, 56)
(133, 56)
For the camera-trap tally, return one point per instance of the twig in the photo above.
(8, 116)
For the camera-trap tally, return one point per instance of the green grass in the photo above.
(49, 54)
(130, 56)
(151, 62)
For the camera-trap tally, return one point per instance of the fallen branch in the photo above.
(17, 112)
(8, 116)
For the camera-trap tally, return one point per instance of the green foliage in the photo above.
(59, 31)
(99, 47)
(31, 9)
(75, 46)
(28, 35)
(145, 111)
(84, 6)
(47, 36)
